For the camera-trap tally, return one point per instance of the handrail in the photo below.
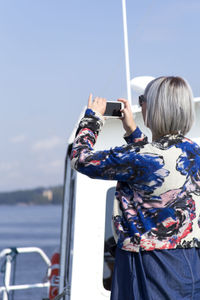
(7, 253)
(24, 286)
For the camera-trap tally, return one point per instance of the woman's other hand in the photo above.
(97, 105)
(127, 120)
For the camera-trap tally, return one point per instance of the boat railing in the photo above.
(8, 254)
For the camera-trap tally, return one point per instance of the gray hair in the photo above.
(170, 107)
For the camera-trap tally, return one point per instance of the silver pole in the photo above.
(65, 209)
(128, 80)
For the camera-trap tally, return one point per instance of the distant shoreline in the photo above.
(38, 196)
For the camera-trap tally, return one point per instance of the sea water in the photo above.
(29, 226)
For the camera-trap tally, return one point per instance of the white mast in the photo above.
(128, 79)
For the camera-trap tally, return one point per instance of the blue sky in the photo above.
(54, 53)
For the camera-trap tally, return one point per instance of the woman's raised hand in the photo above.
(98, 104)
(127, 119)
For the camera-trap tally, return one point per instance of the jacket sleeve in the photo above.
(119, 163)
(136, 138)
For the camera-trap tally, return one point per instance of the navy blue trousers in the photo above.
(157, 275)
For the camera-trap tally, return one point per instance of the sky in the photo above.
(53, 53)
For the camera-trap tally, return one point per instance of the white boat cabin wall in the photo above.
(86, 222)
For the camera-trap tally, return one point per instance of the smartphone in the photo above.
(113, 109)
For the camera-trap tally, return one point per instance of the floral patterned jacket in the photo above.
(157, 203)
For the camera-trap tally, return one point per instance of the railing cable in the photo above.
(66, 291)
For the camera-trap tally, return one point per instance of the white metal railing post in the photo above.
(128, 78)
(7, 276)
(7, 253)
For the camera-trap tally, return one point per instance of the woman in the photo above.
(157, 206)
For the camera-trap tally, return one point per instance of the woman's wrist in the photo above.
(130, 130)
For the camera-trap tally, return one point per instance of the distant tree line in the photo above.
(37, 196)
